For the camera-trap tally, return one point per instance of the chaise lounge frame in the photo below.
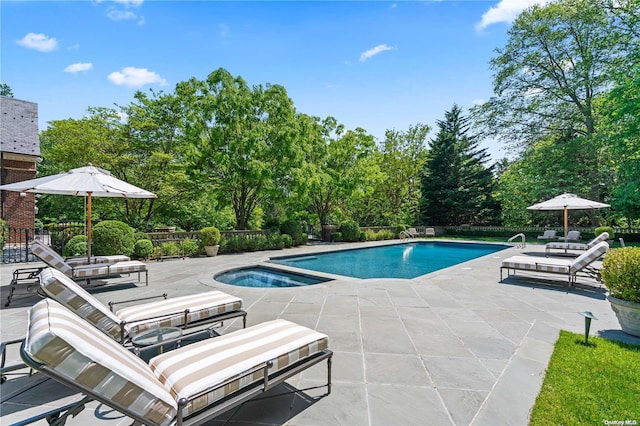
(244, 393)
(119, 324)
(567, 267)
(87, 272)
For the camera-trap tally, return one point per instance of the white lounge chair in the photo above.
(87, 272)
(575, 246)
(549, 234)
(187, 386)
(568, 267)
(185, 312)
(573, 236)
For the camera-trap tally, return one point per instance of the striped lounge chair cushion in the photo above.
(77, 261)
(77, 351)
(567, 246)
(64, 290)
(205, 365)
(528, 263)
(105, 269)
(589, 256)
(201, 306)
(51, 258)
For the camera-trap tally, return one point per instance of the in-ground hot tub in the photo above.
(265, 277)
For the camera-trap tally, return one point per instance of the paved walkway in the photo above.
(454, 347)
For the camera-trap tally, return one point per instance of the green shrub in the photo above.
(170, 248)
(139, 235)
(143, 249)
(210, 236)
(75, 247)
(4, 232)
(399, 229)
(112, 237)
(38, 225)
(621, 273)
(350, 231)
(294, 228)
(336, 236)
(599, 230)
(287, 241)
(190, 247)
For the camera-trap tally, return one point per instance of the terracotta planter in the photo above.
(211, 250)
(628, 314)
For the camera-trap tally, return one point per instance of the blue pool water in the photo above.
(392, 261)
(259, 276)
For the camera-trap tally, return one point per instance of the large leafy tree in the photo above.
(555, 63)
(337, 168)
(548, 168)
(456, 185)
(5, 90)
(399, 158)
(243, 140)
(621, 110)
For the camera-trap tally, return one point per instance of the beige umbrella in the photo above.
(88, 181)
(567, 202)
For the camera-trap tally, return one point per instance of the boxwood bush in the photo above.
(350, 231)
(112, 237)
(600, 229)
(294, 228)
(621, 273)
(76, 246)
(143, 249)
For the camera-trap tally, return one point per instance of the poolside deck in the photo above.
(454, 347)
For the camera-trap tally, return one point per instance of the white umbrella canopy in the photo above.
(88, 181)
(567, 202)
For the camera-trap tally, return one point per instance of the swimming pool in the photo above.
(392, 261)
(261, 276)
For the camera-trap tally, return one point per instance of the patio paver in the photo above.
(452, 347)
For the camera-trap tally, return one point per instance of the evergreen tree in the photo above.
(456, 185)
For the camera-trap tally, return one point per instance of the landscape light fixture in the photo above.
(588, 316)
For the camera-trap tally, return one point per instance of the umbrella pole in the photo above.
(89, 227)
(566, 224)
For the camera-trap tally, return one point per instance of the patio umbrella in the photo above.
(567, 202)
(88, 181)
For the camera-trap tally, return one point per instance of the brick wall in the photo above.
(18, 210)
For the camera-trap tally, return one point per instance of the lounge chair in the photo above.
(186, 386)
(410, 233)
(575, 246)
(568, 267)
(549, 234)
(429, 232)
(76, 261)
(186, 312)
(573, 236)
(87, 272)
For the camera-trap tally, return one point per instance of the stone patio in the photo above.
(454, 347)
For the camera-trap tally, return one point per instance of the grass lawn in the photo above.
(589, 385)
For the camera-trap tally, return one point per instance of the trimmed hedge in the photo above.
(76, 246)
(112, 237)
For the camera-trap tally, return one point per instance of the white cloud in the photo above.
(506, 11)
(120, 15)
(38, 42)
(478, 101)
(374, 51)
(129, 3)
(135, 77)
(78, 67)
(224, 30)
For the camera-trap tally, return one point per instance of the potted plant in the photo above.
(621, 274)
(210, 239)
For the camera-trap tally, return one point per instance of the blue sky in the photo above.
(377, 65)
